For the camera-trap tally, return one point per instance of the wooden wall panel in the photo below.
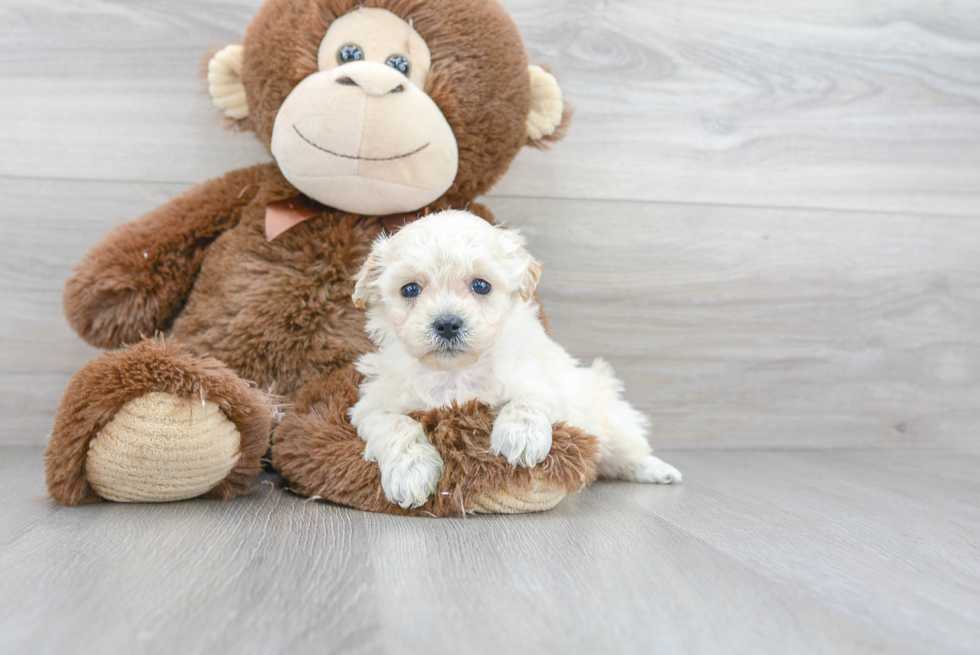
(870, 106)
(731, 326)
(764, 215)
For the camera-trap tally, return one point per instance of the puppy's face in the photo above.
(444, 285)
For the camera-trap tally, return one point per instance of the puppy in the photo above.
(450, 305)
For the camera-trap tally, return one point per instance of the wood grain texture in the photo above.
(730, 326)
(871, 106)
(757, 552)
(764, 216)
(757, 327)
(834, 104)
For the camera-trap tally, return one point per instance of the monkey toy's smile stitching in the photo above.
(337, 154)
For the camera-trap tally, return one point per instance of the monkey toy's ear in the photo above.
(549, 116)
(225, 82)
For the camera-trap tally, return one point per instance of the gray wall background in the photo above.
(765, 214)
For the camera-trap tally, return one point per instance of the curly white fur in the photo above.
(501, 356)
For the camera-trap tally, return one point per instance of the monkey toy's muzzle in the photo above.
(362, 138)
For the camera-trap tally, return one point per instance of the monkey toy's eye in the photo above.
(411, 290)
(480, 287)
(350, 52)
(399, 63)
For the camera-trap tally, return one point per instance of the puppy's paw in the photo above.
(655, 470)
(409, 475)
(524, 438)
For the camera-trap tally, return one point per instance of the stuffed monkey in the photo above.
(375, 112)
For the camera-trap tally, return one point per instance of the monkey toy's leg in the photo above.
(154, 422)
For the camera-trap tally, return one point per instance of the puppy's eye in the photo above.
(349, 52)
(481, 287)
(411, 290)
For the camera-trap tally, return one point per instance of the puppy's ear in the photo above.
(366, 281)
(524, 270)
(531, 278)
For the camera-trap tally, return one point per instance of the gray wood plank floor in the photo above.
(855, 551)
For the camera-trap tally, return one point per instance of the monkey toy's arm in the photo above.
(136, 279)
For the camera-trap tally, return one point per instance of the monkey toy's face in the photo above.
(386, 106)
(361, 133)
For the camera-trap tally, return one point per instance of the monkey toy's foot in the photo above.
(156, 423)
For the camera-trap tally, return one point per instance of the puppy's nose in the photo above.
(447, 327)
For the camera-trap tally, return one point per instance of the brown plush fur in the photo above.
(105, 384)
(319, 453)
(279, 314)
(136, 279)
(479, 76)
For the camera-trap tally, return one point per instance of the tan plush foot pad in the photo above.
(131, 426)
(319, 453)
(541, 495)
(161, 447)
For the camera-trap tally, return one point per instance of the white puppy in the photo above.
(451, 308)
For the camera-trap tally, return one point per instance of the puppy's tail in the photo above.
(606, 377)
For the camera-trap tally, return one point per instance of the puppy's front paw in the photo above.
(410, 475)
(523, 438)
(655, 470)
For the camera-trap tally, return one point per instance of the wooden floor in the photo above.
(844, 551)
(766, 215)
